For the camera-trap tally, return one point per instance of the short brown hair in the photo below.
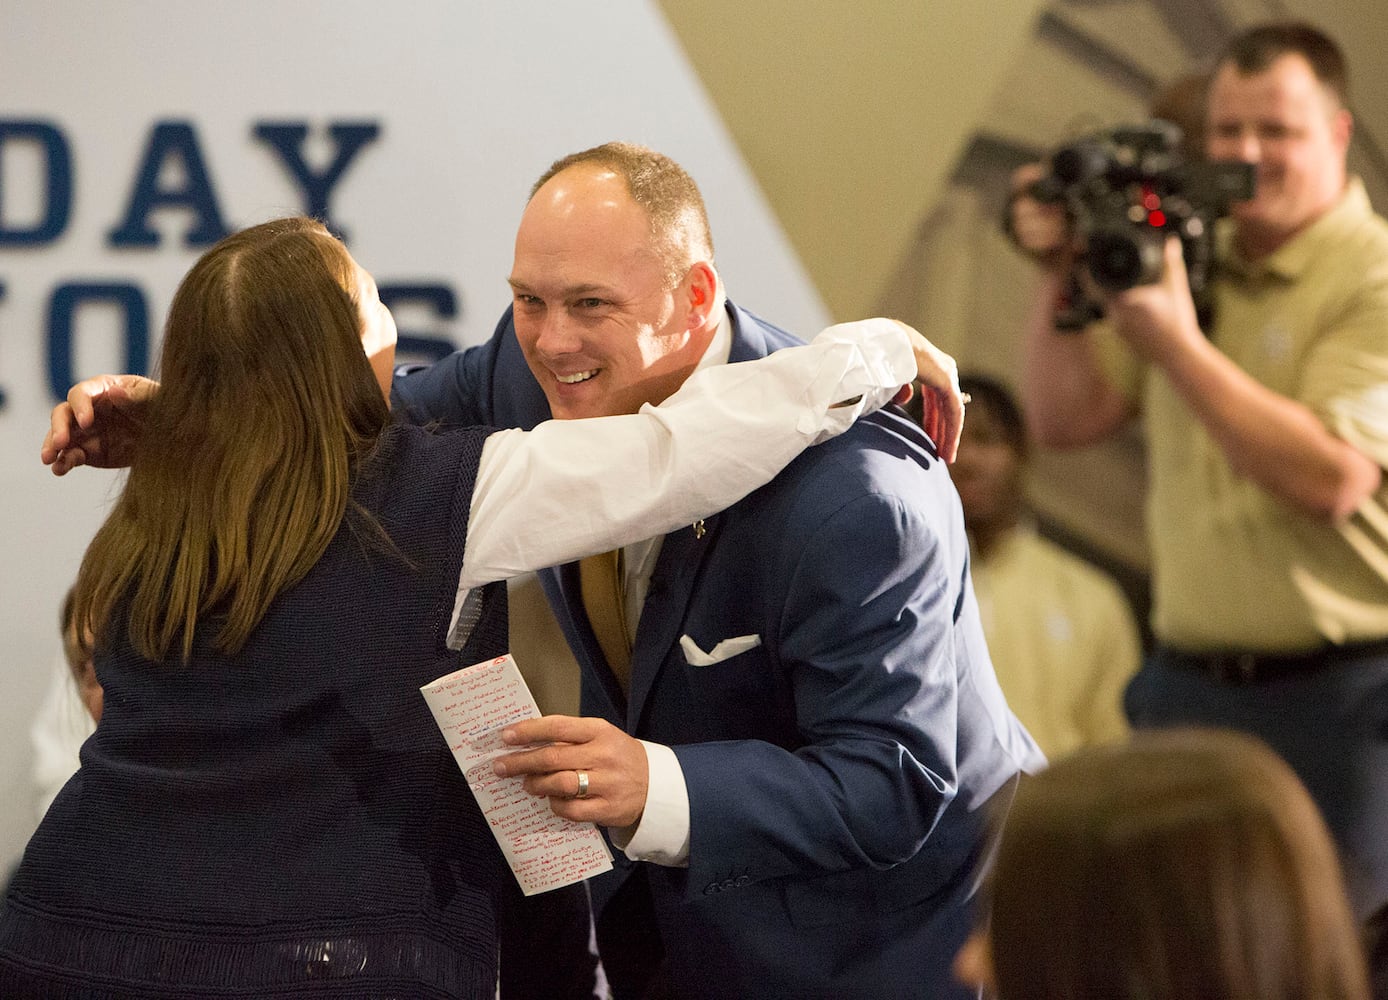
(669, 196)
(1256, 49)
(1186, 864)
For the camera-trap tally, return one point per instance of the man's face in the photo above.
(597, 321)
(1286, 123)
(987, 473)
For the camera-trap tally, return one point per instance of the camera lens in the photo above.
(1119, 259)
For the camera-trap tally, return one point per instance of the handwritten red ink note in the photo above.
(471, 707)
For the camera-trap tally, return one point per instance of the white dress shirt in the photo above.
(661, 835)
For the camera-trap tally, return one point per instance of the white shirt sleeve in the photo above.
(571, 488)
(662, 834)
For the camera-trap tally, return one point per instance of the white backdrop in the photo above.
(472, 101)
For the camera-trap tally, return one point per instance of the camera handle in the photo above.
(1073, 309)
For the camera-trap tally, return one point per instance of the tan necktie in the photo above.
(600, 585)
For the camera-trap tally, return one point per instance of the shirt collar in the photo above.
(720, 346)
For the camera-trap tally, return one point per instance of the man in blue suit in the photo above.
(791, 728)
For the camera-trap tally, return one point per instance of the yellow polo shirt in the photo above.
(1062, 639)
(1233, 567)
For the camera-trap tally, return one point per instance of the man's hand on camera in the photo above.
(1158, 319)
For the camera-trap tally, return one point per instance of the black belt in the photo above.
(1246, 667)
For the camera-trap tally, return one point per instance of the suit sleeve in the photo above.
(866, 636)
(455, 391)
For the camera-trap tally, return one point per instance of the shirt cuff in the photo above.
(661, 836)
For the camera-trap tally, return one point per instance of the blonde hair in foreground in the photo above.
(266, 405)
(1188, 864)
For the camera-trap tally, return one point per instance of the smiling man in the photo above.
(791, 727)
(1268, 436)
(607, 317)
(1288, 118)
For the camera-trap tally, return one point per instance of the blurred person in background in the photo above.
(1268, 435)
(1185, 865)
(1060, 631)
(70, 710)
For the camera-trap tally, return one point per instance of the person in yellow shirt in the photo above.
(1267, 432)
(1061, 632)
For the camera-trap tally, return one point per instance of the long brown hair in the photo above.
(242, 474)
(1189, 864)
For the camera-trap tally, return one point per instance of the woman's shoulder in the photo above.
(412, 465)
(404, 445)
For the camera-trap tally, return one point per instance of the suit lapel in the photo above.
(749, 337)
(562, 588)
(677, 568)
(682, 554)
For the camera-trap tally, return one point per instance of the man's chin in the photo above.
(1245, 211)
(1254, 217)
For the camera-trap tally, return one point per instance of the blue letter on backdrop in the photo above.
(287, 139)
(440, 300)
(3, 399)
(171, 140)
(59, 183)
(64, 305)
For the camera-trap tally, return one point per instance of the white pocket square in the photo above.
(725, 650)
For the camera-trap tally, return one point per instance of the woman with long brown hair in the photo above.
(266, 808)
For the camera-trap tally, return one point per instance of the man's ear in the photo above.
(1342, 128)
(701, 289)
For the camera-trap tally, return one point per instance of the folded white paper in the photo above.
(471, 707)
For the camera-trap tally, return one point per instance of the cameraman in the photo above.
(1268, 434)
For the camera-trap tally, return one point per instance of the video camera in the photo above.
(1125, 191)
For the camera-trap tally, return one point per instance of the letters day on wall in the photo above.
(134, 135)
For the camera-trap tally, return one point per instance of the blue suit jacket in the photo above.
(838, 771)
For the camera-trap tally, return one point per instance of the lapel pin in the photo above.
(699, 528)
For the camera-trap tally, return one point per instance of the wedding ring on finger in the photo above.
(582, 792)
